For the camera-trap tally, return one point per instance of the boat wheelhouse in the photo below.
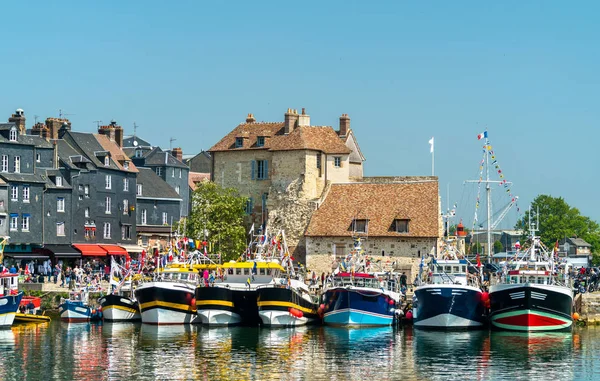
(10, 298)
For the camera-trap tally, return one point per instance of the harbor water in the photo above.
(126, 351)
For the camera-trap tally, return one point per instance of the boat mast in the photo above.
(488, 192)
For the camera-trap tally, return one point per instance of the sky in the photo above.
(527, 72)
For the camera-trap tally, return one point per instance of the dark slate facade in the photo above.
(157, 203)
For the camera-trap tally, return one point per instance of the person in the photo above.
(13, 269)
(323, 279)
(403, 280)
(30, 307)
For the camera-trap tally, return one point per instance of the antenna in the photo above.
(61, 114)
(35, 117)
(135, 126)
(171, 143)
(97, 123)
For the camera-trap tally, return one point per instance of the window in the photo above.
(106, 161)
(180, 173)
(108, 182)
(173, 173)
(60, 204)
(107, 230)
(360, 226)
(25, 222)
(260, 141)
(239, 142)
(13, 135)
(144, 215)
(125, 185)
(107, 210)
(60, 228)
(125, 206)
(337, 161)
(158, 171)
(126, 164)
(86, 191)
(87, 212)
(177, 189)
(2, 221)
(14, 193)
(401, 226)
(319, 163)
(165, 218)
(4, 163)
(138, 153)
(126, 232)
(38, 157)
(259, 169)
(14, 222)
(17, 164)
(139, 189)
(59, 181)
(25, 193)
(249, 205)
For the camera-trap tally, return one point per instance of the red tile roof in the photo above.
(197, 177)
(381, 204)
(116, 153)
(323, 139)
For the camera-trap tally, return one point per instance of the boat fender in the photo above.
(409, 315)
(295, 313)
(193, 302)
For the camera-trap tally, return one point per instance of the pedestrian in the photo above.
(403, 280)
(323, 279)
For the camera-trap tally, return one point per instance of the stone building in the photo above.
(398, 218)
(284, 167)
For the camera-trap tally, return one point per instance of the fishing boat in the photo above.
(530, 295)
(76, 309)
(31, 311)
(120, 304)
(357, 297)
(230, 296)
(168, 298)
(448, 296)
(10, 297)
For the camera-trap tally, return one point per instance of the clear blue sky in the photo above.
(404, 72)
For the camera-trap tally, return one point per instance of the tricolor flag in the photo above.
(482, 135)
(431, 145)
(517, 245)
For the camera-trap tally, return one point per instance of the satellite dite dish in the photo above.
(135, 143)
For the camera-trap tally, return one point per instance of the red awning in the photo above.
(114, 250)
(90, 250)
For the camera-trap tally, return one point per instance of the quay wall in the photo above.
(588, 307)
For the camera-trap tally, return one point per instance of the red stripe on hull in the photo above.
(530, 320)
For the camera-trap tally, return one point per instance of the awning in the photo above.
(63, 251)
(132, 248)
(114, 250)
(90, 250)
(19, 256)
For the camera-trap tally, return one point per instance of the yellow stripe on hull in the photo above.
(158, 303)
(122, 308)
(224, 303)
(31, 318)
(286, 304)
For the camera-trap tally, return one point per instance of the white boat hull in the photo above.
(164, 316)
(218, 317)
(282, 319)
(7, 319)
(117, 314)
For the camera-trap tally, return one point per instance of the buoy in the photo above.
(93, 312)
(322, 306)
(575, 316)
(295, 313)
(100, 309)
(391, 302)
(487, 303)
(409, 315)
(485, 296)
(193, 302)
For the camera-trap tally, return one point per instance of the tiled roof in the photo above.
(315, 138)
(154, 186)
(116, 153)
(381, 204)
(197, 177)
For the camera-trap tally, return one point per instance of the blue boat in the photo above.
(10, 298)
(76, 309)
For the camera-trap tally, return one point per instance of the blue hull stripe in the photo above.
(357, 308)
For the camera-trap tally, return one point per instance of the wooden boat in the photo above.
(31, 318)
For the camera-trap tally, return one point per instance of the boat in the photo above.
(448, 296)
(10, 296)
(530, 296)
(31, 311)
(231, 297)
(31, 318)
(120, 304)
(168, 298)
(76, 309)
(357, 297)
(287, 301)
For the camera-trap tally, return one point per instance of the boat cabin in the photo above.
(529, 272)
(9, 284)
(260, 272)
(365, 280)
(178, 274)
(452, 271)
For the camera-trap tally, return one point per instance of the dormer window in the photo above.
(260, 141)
(239, 142)
(360, 226)
(106, 161)
(126, 164)
(13, 134)
(138, 153)
(139, 189)
(400, 225)
(59, 181)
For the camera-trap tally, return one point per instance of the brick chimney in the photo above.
(18, 118)
(54, 125)
(344, 125)
(290, 120)
(304, 119)
(177, 153)
(40, 130)
(108, 131)
(119, 136)
(250, 118)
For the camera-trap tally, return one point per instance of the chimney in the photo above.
(304, 119)
(250, 118)
(40, 130)
(55, 155)
(108, 131)
(18, 118)
(290, 120)
(119, 136)
(66, 127)
(54, 125)
(344, 125)
(177, 153)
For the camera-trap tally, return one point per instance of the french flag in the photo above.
(517, 245)
(482, 135)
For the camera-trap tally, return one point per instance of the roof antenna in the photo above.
(97, 123)
(171, 143)
(61, 114)
(35, 117)
(135, 126)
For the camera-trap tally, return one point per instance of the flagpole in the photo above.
(432, 156)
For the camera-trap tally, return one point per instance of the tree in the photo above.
(558, 220)
(219, 213)
(498, 248)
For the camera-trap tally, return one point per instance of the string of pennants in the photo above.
(495, 165)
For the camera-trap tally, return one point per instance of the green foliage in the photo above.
(558, 220)
(476, 248)
(498, 248)
(219, 212)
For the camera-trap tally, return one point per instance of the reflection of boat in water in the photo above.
(350, 339)
(275, 338)
(119, 328)
(7, 338)
(468, 343)
(167, 332)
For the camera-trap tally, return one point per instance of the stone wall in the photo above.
(337, 174)
(590, 307)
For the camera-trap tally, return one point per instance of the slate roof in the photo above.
(128, 142)
(116, 153)
(90, 144)
(153, 186)
(30, 140)
(22, 177)
(51, 184)
(69, 155)
(323, 139)
(579, 242)
(158, 157)
(381, 204)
